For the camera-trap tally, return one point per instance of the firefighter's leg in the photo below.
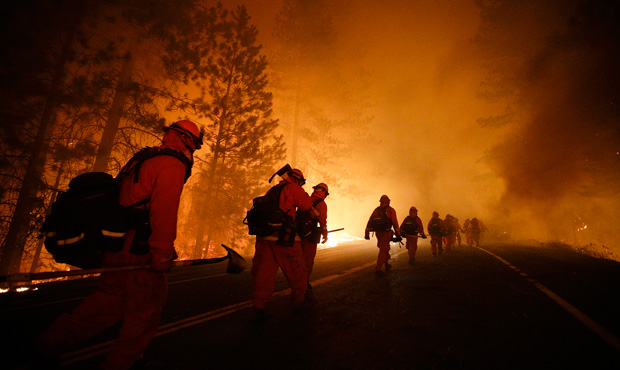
(291, 260)
(264, 270)
(308, 249)
(383, 242)
(451, 241)
(434, 243)
(94, 314)
(146, 294)
(411, 247)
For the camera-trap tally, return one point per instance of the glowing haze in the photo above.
(508, 114)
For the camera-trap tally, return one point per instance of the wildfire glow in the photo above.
(334, 239)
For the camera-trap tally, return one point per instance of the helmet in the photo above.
(323, 186)
(435, 213)
(384, 198)
(413, 208)
(298, 176)
(187, 128)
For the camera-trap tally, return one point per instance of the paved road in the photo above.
(506, 306)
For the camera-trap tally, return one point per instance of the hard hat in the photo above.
(298, 175)
(323, 186)
(187, 128)
(435, 213)
(384, 198)
(413, 208)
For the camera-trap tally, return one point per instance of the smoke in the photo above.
(501, 110)
(561, 163)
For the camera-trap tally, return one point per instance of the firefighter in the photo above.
(451, 231)
(466, 231)
(411, 228)
(312, 236)
(282, 249)
(437, 231)
(382, 220)
(133, 297)
(459, 230)
(474, 232)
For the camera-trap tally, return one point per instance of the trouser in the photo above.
(475, 238)
(135, 297)
(268, 257)
(450, 241)
(383, 243)
(308, 248)
(458, 238)
(436, 240)
(411, 245)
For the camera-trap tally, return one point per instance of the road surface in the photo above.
(501, 306)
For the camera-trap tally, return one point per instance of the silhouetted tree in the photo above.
(240, 139)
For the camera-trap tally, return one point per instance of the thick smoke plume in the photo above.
(502, 110)
(561, 163)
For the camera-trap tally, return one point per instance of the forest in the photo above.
(86, 84)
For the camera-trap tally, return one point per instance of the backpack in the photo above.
(409, 226)
(434, 226)
(450, 226)
(380, 221)
(87, 220)
(265, 217)
(307, 226)
(474, 225)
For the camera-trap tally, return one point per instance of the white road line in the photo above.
(595, 327)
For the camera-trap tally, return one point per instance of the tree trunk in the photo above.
(114, 116)
(205, 207)
(17, 235)
(37, 253)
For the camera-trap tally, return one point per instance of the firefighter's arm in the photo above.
(302, 199)
(322, 217)
(167, 183)
(367, 231)
(421, 227)
(395, 222)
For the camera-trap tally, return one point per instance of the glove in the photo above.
(163, 263)
(423, 236)
(367, 237)
(324, 238)
(397, 239)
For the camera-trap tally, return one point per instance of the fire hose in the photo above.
(236, 265)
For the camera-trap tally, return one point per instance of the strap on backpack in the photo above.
(135, 163)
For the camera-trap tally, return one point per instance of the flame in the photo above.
(336, 238)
